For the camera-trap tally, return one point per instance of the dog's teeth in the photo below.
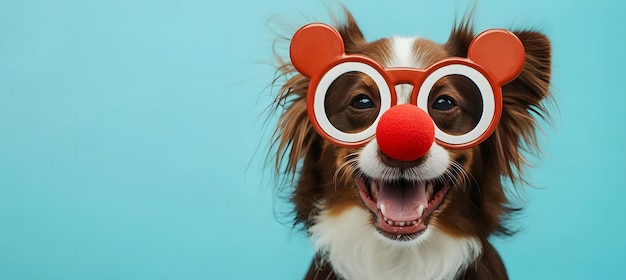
(420, 211)
(374, 189)
(429, 191)
(399, 224)
(382, 210)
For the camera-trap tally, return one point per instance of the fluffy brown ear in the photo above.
(294, 134)
(350, 33)
(461, 36)
(522, 101)
(523, 106)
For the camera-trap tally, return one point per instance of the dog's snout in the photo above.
(405, 133)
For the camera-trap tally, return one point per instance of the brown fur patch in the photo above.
(428, 52)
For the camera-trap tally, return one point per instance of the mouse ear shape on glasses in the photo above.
(313, 47)
(500, 52)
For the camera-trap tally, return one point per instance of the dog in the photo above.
(399, 149)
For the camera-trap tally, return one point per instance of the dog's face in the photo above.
(394, 159)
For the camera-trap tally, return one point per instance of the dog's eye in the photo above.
(444, 103)
(362, 102)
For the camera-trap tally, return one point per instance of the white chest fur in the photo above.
(358, 252)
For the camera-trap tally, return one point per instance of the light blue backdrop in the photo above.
(132, 137)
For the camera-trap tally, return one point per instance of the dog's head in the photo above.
(417, 134)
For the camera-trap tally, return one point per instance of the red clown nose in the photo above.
(405, 132)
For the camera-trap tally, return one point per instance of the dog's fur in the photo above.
(455, 244)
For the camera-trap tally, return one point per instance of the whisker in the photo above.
(347, 168)
(329, 274)
(465, 177)
(341, 168)
(317, 271)
(457, 174)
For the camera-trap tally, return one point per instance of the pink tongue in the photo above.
(402, 200)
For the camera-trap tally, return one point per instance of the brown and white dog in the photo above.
(392, 212)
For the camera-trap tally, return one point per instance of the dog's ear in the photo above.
(461, 36)
(295, 137)
(523, 105)
(522, 100)
(351, 34)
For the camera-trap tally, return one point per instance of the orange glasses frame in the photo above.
(495, 57)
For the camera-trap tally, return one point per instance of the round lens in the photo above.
(455, 104)
(352, 102)
(460, 101)
(348, 102)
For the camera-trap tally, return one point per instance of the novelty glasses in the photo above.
(495, 57)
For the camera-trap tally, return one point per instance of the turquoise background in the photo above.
(133, 136)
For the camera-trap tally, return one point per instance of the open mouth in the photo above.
(402, 208)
